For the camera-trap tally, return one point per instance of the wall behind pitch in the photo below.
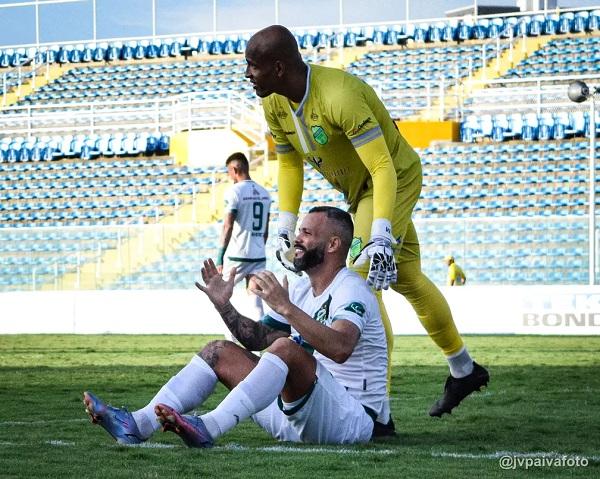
(564, 310)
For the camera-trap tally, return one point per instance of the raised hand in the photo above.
(218, 290)
(273, 293)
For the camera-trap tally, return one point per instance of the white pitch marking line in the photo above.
(499, 454)
(308, 450)
(41, 422)
(58, 442)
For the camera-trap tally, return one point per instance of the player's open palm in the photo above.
(275, 294)
(216, 288)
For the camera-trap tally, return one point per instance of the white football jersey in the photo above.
(251, 204)
(364, 374)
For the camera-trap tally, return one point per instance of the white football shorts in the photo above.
(330, 415)
(243, 268)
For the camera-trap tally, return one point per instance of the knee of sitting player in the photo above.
(212, 352)
(284, 348)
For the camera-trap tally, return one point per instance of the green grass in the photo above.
(544, 398)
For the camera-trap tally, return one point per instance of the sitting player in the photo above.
(325, 384)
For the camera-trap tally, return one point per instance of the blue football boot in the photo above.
(189, 428)
(119, 423)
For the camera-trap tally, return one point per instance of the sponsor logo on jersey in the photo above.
(314, 116)
(319, 135)
(360, 126)
(315, 161)
(356, 308)
(322, 313)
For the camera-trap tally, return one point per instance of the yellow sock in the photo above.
(430, 305)
(389, 337)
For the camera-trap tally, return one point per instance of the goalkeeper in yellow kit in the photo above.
(336, 122)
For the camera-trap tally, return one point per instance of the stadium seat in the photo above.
(113, 51)
(496, 26)
(546, 126)
(4, 59)
(594, 21)
(534, 29)
(580, 22)
(565, 22)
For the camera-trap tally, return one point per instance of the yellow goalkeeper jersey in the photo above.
(338, 115)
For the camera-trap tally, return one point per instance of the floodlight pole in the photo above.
(592, 192)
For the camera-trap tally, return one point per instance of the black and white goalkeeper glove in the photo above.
(380, 251)
(284, 249)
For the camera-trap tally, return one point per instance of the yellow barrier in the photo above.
(420, 134)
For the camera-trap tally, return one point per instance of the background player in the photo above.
(456, 275)
(336, 123)
(245, 227)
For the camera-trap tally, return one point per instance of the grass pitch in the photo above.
(542, 409)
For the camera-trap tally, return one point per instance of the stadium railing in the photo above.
(520, 250)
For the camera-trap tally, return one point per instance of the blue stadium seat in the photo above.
(4, 59)
(151, 49)
(163, 49)
(534, 29)
(420, 32)
(113, 51)
(522, 26)
(87, 52)
(594, 21)
(163, 144)
(580, 22)
(99, 52)
(480, 29)
(565, 23)
(495, 28)
(500, 127)
(139, 49)
(546, 126)
(127, 51)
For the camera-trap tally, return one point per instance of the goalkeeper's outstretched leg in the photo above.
(430, 305)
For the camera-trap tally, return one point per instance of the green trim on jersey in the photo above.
(274, 324)
(246, 260)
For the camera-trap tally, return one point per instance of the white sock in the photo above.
(461, 364)
(187, 389)
(385, 414)
(253, 394)
(256, 309)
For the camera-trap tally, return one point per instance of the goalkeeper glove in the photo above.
(382, 269)
(284, 250)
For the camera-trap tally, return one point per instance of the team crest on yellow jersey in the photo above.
(319, 135)
(355, 248)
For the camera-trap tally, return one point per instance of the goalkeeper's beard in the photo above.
(311, 258)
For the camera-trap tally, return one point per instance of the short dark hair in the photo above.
(240, 159)
(344, 227)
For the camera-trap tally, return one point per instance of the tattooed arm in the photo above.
(254, 336)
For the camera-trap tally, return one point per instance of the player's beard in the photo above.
(312, 257)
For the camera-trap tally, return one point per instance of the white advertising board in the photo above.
(562, 310)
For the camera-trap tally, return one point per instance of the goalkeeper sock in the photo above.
(259, 389)
(187, 389)
(461, 364)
